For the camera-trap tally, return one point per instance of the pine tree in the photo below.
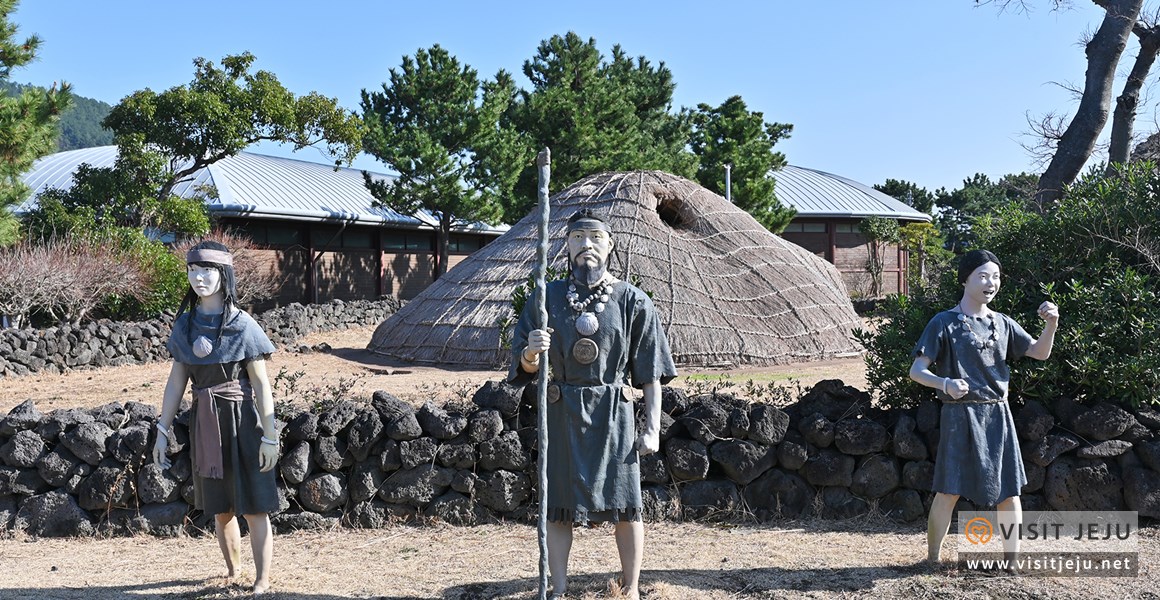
(28, 121)
(732, 135)
(425, 124)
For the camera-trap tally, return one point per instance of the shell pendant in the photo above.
(202, 347)
(587, 324)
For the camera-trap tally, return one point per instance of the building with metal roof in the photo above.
(329, 240)
(829, 209)
(325, 235)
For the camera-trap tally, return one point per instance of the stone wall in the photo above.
(363, 464)
(109, 343)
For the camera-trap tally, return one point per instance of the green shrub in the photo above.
(1096, 255)
(164, 271)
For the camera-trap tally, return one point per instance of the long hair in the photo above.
(228, 288)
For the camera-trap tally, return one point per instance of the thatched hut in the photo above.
(729, 292)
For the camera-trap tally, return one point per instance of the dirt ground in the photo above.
(865, 557)
(350, 367)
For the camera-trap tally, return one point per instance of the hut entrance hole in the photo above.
(669, 209)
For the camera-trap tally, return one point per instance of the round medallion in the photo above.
(553, 393)
(585, 351)
(202, 347)
(587, 324)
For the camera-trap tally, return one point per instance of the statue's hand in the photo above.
(539, 340)
(267, 456)
(1049, 312)
(648, 442)
(957, 388)
(159, 449)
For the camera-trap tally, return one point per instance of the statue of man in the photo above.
(603, 336)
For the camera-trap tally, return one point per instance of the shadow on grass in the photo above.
(758, 582)
(736, 582)
(163, 590)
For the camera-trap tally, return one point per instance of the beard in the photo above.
(586, 273)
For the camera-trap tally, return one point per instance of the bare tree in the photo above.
(24, 271)
(1079, 139)
(1071, 147)
(88, 272)
(1147, 30)
(65, 278)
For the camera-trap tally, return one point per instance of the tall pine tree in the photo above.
(425, 124)
(732, 135)
(28, 121)
(595, 114)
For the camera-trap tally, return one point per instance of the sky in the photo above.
(930, 91)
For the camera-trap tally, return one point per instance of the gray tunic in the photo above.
(978, 452)
(244, 488)
(593, 466)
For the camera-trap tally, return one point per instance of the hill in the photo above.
(80, 125)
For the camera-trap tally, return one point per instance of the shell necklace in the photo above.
(586, 322)
(976, 341)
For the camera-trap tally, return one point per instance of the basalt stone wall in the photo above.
(110, 343)
(366, 463)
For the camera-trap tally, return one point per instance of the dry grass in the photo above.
(866, 557)
(684, 560)
(349, 360)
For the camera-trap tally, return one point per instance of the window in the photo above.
(268, 234)
(805, 228)
(846, 228)
(355, 238)
(283, 235)
(464, 243)
(395, 240)
(358, 238)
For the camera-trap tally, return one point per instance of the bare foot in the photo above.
(617, 589)
(261, 587)
(937, 566)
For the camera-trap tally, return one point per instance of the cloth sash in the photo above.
(208, 445)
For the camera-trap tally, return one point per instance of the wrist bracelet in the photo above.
(162, 429)
(524, 355)
(266, 440)
(945, 380)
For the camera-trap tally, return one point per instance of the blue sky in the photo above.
(931, 91)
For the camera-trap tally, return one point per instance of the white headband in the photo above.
(206, 255)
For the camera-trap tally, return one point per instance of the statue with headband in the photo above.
(222, 351)
(604, 338)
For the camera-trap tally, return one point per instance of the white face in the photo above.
(589, 246)
(983, 283)
(205, 281)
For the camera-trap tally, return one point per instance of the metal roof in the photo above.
(257, 186)
(819, 194)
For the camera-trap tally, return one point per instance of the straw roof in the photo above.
(729, 292)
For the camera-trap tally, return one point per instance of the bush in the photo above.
(24, 268)
(164, 272)
(64, 279)
(1096, 255)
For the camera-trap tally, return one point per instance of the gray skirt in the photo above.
(244, 489)
(978, 453)
(593, 467)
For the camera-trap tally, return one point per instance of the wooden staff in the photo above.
(544, 165)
